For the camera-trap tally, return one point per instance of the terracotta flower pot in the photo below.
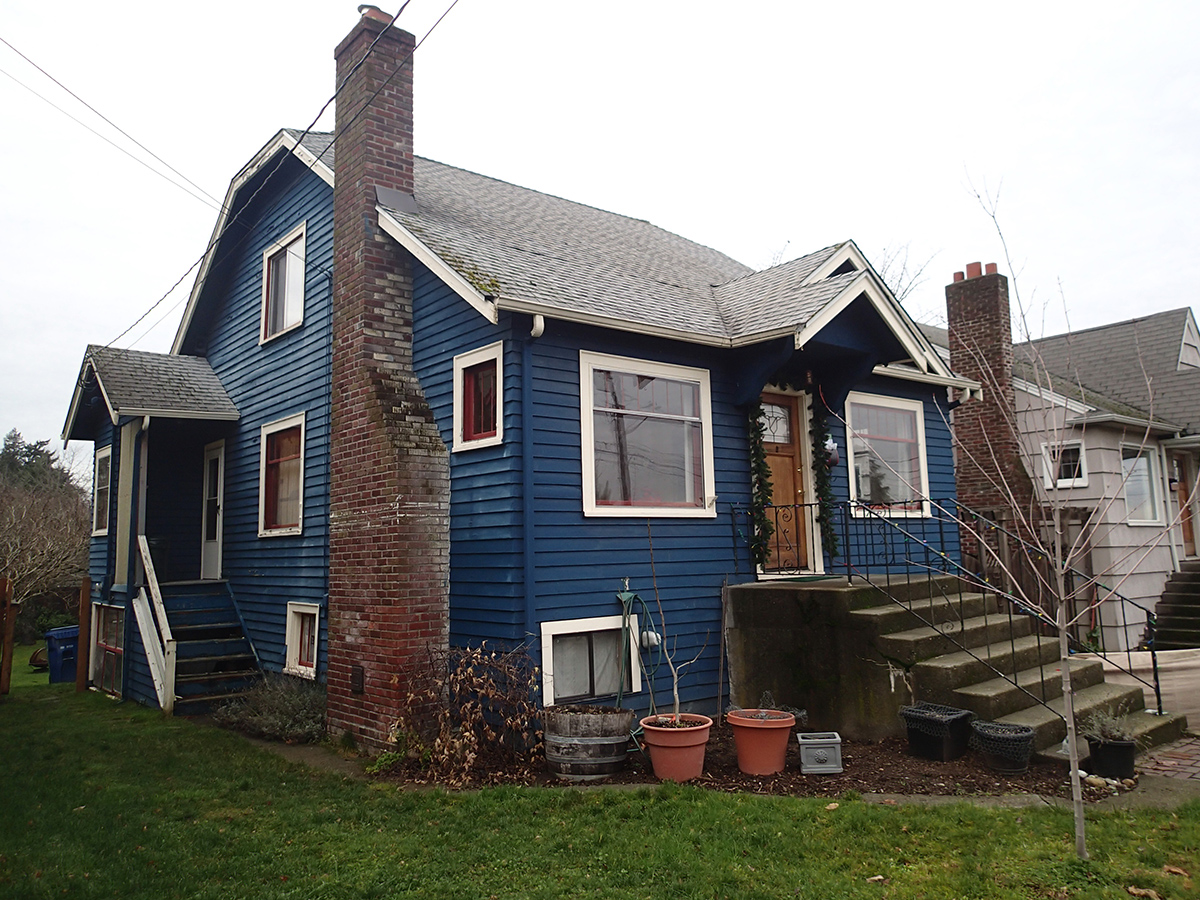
(676, 752)
(762, 737)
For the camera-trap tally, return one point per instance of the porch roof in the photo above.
(137, 383)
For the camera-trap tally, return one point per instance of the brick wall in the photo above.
(989, 473)
(390, 487)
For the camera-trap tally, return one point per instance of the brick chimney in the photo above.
(389, 471)
(989, 473)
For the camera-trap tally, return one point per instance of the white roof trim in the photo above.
(1106, 418)
(280, 143)
(1052, 396)
(77, 397)
(582, 318)
(847, 250)
(906, 374)
(455, 281)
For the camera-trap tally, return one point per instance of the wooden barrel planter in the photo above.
(586, 743)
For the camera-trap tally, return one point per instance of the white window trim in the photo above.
(1156, 500)
(266, 431)
(1048, 466)
(916, 406)
(578, 626)
(292, 636)
(462, 362)
(102, 453)
(588, 362)
(297, 233)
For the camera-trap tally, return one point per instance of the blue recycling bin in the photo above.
(61, 646)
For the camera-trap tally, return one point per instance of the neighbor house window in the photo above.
(1064, 465)
(586, 659)
(1141, 499)
(887, 453)
(110, 648)
(646, 438)
(303, 620)
(281, 477)
(478, 393)
(101, 485)
(283, 285)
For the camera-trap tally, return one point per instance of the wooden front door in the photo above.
(1183, 476)
(782, 439)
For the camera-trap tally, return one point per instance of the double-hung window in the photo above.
(281, 477)
(283, 285)
(478, 393)
(1141, 498)
(888, 471)
(1064, 465)
(101, 485)
(646, 438)
(586, 659)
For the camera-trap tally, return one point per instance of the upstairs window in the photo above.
(1064, 465)
(888, 470)
(646, 438)
(281, 477)
(101, 482)
(1141, 498)
(478, 395)
(283, 285)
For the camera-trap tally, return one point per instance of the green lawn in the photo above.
(101, 799)
(22, 675)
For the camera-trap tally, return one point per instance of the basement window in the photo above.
(303, 621)
(584, 659)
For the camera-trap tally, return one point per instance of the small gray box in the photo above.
(820, 753)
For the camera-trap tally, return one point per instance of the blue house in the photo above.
(411, 405)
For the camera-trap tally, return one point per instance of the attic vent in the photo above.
(847, 266)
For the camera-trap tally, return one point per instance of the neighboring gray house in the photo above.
(1109, 420)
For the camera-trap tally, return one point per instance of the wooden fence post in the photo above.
(10, 621)
(83, 648)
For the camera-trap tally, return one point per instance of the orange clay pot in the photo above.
(762, 737)
(677, 754)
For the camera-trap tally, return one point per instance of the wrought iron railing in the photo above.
(904, 544)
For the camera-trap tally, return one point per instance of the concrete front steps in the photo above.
(1178, 610)
(975, 656)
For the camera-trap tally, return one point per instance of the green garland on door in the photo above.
(822, 471)
(762, 528)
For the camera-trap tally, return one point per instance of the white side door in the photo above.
(214, 503)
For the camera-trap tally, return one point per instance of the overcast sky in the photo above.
(764, 129)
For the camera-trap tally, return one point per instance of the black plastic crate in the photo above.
(937, 732)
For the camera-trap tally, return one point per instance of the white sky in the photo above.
(764, 129)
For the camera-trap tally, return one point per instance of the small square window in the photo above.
(281, 477)
(303, 631)
(1064, 465)
(589, 659)
(283, 285)
(478, 397)
(101, 485)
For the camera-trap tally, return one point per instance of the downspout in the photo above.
(529, 575)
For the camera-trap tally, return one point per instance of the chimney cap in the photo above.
(367, 11)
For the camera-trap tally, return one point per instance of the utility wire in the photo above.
(308, 130)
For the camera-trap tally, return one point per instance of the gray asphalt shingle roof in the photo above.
(140, 383)
(534, 248)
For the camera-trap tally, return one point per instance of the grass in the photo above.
(111, 800)
(22, 675)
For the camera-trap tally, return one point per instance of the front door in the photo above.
(214, 491)
(782, 438)
(1183, 479)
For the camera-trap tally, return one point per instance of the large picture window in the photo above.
(646, 438)
(1141, 498)
(888, 471)
(589, 659)
(478, 393)
(101, 486)
(281, 481)
(283, 285)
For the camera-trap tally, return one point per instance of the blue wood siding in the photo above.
(285, 376)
